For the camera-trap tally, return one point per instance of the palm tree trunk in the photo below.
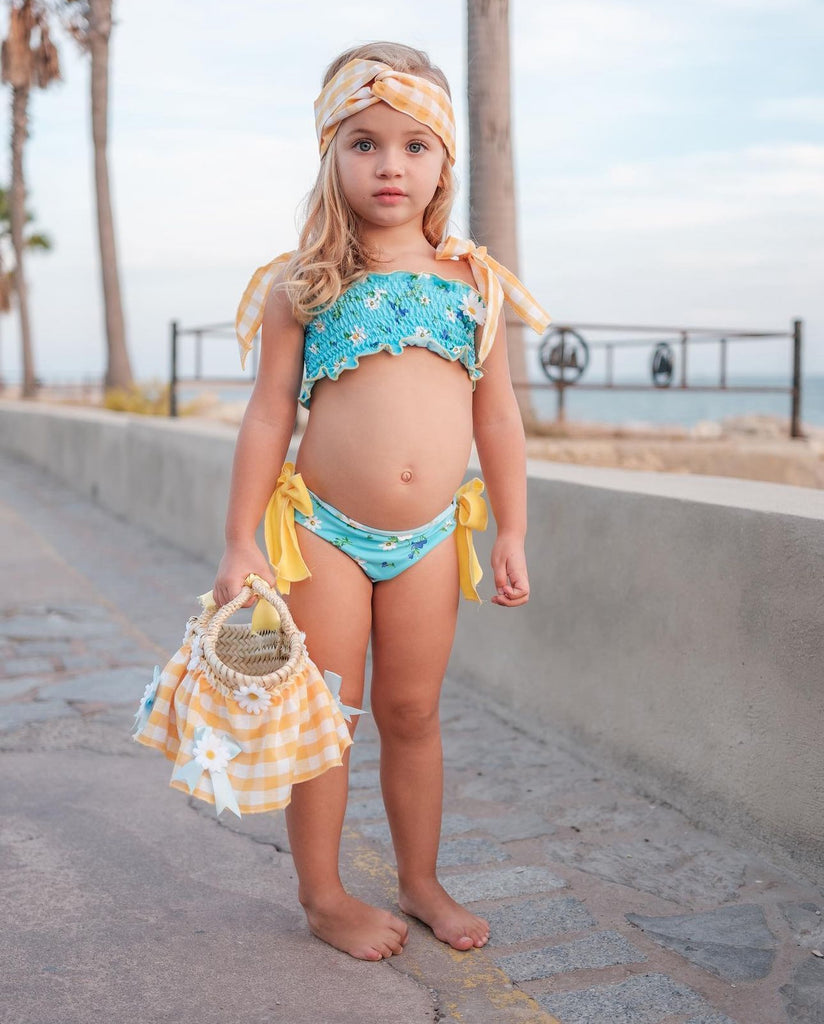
(492, 213)
(19, 133)
(118, 367)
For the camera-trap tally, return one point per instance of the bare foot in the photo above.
(364, 932)
(450, 922)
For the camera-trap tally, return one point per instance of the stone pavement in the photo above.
(124, 900)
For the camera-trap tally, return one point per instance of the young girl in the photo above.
(395, 335)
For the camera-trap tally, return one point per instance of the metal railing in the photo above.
(564, 356)
(222, 331)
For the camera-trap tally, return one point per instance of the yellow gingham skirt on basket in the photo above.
(299, 735)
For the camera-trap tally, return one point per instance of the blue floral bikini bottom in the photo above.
(382, 554)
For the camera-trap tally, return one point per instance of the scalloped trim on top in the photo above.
(394, 347)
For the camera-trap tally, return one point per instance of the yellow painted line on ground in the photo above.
(465, 982)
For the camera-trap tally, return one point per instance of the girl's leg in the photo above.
(334, 610)
(413, 626)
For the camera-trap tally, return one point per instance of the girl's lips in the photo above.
(390, 197)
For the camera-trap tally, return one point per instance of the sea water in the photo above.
(682, 406)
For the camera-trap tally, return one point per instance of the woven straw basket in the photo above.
(243, 715)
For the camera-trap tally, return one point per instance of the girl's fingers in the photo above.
(513, 593)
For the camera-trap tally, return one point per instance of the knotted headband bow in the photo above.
(360, 83)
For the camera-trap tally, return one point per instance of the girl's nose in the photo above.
(390, 166)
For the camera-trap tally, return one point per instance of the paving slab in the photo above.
(733, 942)
(804, 993)
(503, 882)
(711, 1018)
(806, 922)
(642, 999)
(599, 949)
(537, 918)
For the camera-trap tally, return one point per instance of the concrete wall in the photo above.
(675, 626)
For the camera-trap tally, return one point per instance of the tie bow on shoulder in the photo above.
(497, 285)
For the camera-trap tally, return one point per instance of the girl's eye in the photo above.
(363, 145)
(417, 147)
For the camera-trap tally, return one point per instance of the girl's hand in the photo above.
(509, 568)
(238, 561)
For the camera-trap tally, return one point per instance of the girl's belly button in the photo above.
(406, 476)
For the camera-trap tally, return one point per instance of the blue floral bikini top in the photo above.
(387, 313)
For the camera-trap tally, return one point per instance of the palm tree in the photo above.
(492, 215)
(25, 65)
(36, 240)
(90, 22)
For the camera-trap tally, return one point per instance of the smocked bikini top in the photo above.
(388, 313)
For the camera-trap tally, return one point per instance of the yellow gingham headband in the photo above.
(360, 83)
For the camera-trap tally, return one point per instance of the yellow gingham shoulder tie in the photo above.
(249, 315)
(496, 284)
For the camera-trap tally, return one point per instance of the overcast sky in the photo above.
(669, 161)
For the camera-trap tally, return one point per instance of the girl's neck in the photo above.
(397, 244)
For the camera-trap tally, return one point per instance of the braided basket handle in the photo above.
(213, 621)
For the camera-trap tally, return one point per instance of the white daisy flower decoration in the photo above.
(473, 307)
(388, 545)
(212, 753)
(357, 334)
(319, 326)
(451, 315)
(421, 332)
(424, 300)
(311, 523)
(253, 698)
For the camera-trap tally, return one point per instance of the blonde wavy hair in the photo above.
(330, 255)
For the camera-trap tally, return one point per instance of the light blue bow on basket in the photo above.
(212, 752)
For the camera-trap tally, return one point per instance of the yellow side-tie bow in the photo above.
(470, 514)
(279, 528)
(496, 284)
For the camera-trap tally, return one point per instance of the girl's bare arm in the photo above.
(499, 438)
(262, 444)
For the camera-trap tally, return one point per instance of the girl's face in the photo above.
(389, 165)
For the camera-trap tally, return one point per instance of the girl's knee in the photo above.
(407, 720)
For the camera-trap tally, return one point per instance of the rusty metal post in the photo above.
(173, 373)
(795, 416)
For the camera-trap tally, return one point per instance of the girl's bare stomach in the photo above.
(388, 443)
